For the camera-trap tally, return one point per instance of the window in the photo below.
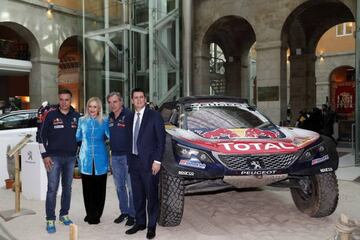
(217, 60)
(344, 29)
(21, 120)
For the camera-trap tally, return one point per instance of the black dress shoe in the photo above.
(130, 221)
(150, 234)
(135, 229)
(93, 221)
(121, 218)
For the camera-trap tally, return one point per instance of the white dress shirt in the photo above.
(133, 127)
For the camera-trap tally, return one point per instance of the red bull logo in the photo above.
(218, 133)
(258, 133)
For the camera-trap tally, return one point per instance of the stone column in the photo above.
(271, 84)
(233, 76)
(43, 81)
(200, 85)
(322, 92)
(302, 83)
(245, 76)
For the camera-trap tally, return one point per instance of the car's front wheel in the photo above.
(316, 195)
(171, 199)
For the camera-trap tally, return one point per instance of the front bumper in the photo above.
(256, 165)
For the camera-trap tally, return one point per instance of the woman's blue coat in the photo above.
(92, 135)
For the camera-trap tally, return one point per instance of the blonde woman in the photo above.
(94, 162)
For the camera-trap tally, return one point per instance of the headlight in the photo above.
(316, 151)
(190, 153)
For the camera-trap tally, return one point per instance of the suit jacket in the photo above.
(150, 141)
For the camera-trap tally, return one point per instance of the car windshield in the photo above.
(230, 117)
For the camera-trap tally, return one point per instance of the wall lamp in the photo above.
(321, 56)
(50, 10)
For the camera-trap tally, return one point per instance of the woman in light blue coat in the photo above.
(92, 132)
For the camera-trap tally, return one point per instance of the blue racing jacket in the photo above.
(57, 134)
(92, 135)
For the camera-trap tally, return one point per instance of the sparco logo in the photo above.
(186, 173)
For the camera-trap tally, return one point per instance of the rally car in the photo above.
(214, 143)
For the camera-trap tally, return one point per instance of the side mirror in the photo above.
(174, 118)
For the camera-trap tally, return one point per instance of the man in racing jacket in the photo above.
(58, 148)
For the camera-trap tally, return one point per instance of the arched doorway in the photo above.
(217, 70)
(300, 34)
(342, 99)
(227, 42)
(69, 71)
(17, 47)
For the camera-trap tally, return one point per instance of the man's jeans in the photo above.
(65, 167)
(123, 184)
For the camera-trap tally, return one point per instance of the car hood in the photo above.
(246, 141)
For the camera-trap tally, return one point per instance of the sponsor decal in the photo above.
(235, 146)
(57, 121)
(121, 124)
(324, 170)
(186, 173)
(218, 133)
(259, 133)
(195, 163)
(255, 164)
(257, 172)
(257, 146)
(320, 160)
(74, 123)
(223, 133)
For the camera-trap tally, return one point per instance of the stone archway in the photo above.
(235, 36)
(27, 35)
(18, 75)
(300, 33)
(69, 70)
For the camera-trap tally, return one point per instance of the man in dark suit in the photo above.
(148, 140)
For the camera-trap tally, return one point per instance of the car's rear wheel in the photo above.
(317, 195)
(171, 199)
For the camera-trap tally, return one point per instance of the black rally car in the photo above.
(217, 142)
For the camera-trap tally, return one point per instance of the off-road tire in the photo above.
(171, 199)
(323, 197)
